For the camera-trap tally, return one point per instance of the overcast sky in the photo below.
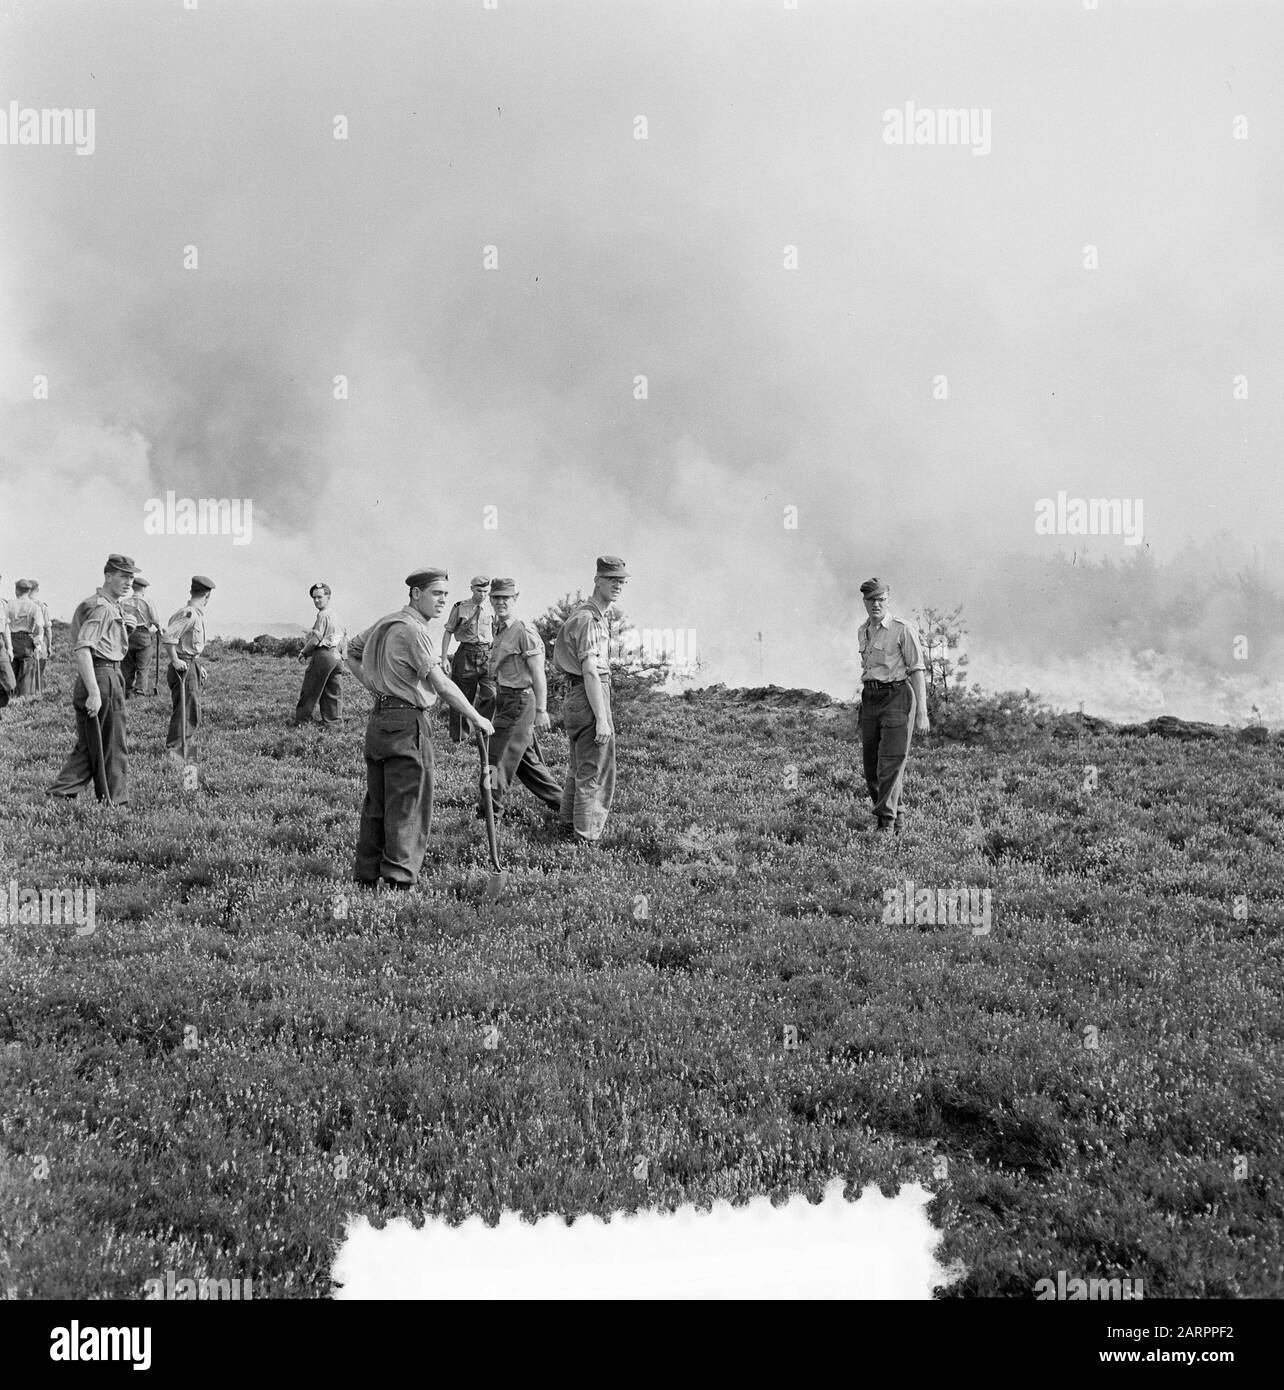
(514, 388)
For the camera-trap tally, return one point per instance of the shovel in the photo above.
(495, 883)
(98, 760)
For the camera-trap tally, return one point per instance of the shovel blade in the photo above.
(495, 885)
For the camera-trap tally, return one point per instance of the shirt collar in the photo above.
(592, 603)
(871, 623)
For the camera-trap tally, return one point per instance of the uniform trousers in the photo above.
(396, 815)
(468, 669)
(886, 723)
(321, 681)
(589, 788)
(78, 771)
(514, 750)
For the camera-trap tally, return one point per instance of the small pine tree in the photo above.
(942, 633)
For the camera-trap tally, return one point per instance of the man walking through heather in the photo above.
(144, 627)
(100, 641)
(184, 640)
(472, 625)
(581, 653)
(26, 630)
(893, 697)
(323, 651)
(396, 660)
(521, 705)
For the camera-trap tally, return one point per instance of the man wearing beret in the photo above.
(100, 641)
(516, 667)
(581, 653)
(323, 651)
(184, 641)
(142, 621)
(471, 625)
(893, 701)
(397, 661)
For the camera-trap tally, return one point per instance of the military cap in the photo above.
(202, 581)
(421, 578)
(501, 587)
(478, 579)
(611, 567)
(873, 586)
(140, 582)
(120, 562)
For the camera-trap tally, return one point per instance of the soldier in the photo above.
(396, 661)
(46, 649)
(100, 641)
(471, 624)
(581, 654)
(516, 666)
(8, 682)
(26, 629)
(184, 640)
(142, 621)
(324, 650)
(893, 702)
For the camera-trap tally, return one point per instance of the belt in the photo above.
(886, 685)
(579, 680)
(392, 702)
(103, 661)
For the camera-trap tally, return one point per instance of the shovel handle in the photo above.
(488, 805)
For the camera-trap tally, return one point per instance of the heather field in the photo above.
(242, 1053)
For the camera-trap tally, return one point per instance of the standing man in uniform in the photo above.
(26, 629)
(471, 625)
(893, 702)
(143, 622)
(581, 653)
(46, 647)
(323, 651)
(8, 681)
(516, 667)
(184, 640)
(100, 642)
(396, 660)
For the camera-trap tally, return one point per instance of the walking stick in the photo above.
(156, 678)
(497, 880)
(98, 760)
(182, 680)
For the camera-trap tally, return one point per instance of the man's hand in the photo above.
(542, 722)
(483, 726)
(93, 699)
(922, 725)
(179, 665)
(605, 731)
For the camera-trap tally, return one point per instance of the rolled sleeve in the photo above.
(93, 629)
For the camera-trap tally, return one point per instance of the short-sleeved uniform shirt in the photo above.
(514, 642)
(327, 631)
(139, 612)
(187, 630)
(396, 656)
(471, 622)
(890, 650)
(99, 625)
(585, 633)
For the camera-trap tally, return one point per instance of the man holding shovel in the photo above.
(143, 624)
(184, 641)
(397, 661)
(98, 633)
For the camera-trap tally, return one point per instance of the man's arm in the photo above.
(597, 699)
(310, 641)
(457, 700)
(918, 685)
(352, 660)
(170, 639)
(539, 684)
